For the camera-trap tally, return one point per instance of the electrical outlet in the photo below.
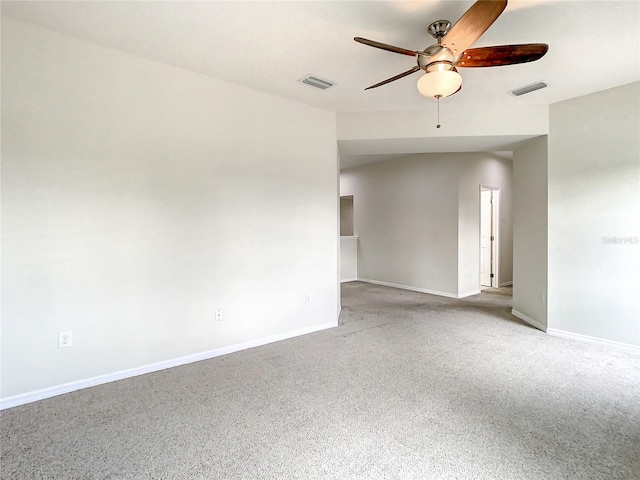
(65, 339)
(218, 314)
(435, 272)
(307, 299)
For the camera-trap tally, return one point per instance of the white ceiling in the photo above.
(270, 46)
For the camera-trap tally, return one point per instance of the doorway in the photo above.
(489, 223)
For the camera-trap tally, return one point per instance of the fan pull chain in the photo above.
(438, 97)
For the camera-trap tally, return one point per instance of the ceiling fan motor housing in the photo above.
(436, 58)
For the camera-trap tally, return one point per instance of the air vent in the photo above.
(528, 88)
(317, 82)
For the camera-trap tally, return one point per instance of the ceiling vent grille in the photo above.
(528, 88)
(317, 82)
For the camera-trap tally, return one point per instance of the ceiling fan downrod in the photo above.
(439, 29)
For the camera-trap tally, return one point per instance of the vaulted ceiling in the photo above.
(270, 46)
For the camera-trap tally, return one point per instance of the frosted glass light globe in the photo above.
(439, 83)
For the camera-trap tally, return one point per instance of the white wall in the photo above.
(459, 120)
(137, 198)
(530, 231)
(348, 259)
(405, 214)
(594, 195)
(421, 213)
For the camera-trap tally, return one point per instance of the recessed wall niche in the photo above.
(346, 216)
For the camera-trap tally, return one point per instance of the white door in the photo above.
(486, 250)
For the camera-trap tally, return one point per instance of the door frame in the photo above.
(495, 233)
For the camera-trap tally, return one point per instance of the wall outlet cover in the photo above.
(65, 339)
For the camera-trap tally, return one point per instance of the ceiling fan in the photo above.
(442, 60)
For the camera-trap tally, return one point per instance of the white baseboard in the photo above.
(355, 279)
(413, 289)
(506, 284)
(49, 392)
(529, 320)
(593, 340)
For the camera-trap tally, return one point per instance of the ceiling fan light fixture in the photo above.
(453, 50)
(440, 83)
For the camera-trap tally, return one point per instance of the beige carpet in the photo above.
(411, 386)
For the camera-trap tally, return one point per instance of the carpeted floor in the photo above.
(410, 386)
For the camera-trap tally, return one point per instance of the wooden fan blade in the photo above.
(384, 46)
(472, 24)
(502, 55)
(397, 77)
